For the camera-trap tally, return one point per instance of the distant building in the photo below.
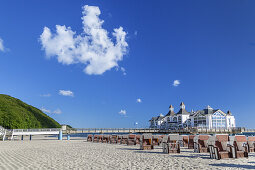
(208, 117)
(64, 127)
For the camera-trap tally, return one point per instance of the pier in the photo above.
(160, 131)
(10, 134)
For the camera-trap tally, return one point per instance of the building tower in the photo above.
(171, 110)
(229, 113)
(182, 106)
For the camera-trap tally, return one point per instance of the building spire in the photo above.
(171, 108)
(229, 113)
(182, 105)
(209, 107)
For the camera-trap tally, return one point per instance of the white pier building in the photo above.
(208, 118)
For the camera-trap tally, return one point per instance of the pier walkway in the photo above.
(148, 130)
(6, 133)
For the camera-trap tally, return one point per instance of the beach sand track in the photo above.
(78, 154)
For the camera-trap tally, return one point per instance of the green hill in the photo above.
(15, 114)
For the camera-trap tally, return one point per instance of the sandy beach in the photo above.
(79, 154)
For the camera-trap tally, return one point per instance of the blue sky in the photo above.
(209, 46)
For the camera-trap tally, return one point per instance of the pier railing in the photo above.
(197, 130)
(37, 130)
(111, 130)
(45, 131)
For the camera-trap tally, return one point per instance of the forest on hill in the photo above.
(15, 114)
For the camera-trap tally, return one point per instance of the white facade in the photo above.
(208, 118)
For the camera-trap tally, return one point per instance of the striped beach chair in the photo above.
(156, 139)
(96, 138)
(113, 139)
(131, 139)
(191, 142)
(251, 143)
(124, 139)
(174, 143)
(200, 143)
(146, 142)
(100, 138)
(90, 138)
(241, 146)
(170, 144)
(119, 138)
(137, 139)
(105, 138)
(220, 147)
(185, 139)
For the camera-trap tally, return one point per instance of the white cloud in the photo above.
(139, 100)
(135, 33)
(45, 95)
(1, 45)
(123, 112)
(176, 83)
(93, 48)
(123, 70)
(66, 93)
(58, 111)
(45, 110)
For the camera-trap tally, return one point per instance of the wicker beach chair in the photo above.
(170, 144)
(211, 147)
(185, 140)
(200, 143)
(251, 143)
(106, 139)
(241, 146)
(220, 147)
(161, 138)
(131, 139)
(90, 138)
(96, 138)
(165, 144)
(174, 143)
(137, 139)
(191, 142)
(146, 142)
(124, 139)
(113, 139)
(119, 138)
(156, 140)
(100, 138)
(180, 141)
(195, 139)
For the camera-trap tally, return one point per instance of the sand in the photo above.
(79, 154)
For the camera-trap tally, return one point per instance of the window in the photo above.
(199, 121)
(179, 119)
(218, 120)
